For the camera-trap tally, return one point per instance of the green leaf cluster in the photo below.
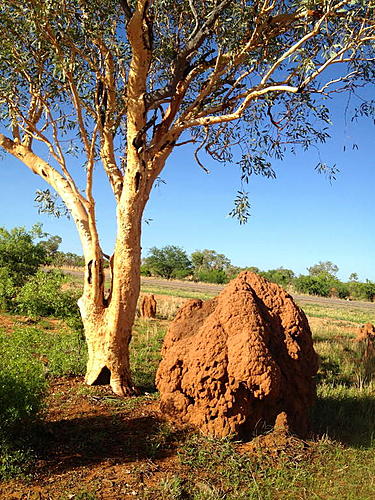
(44, 295)
(20, 255)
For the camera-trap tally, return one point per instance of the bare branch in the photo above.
(197, 151)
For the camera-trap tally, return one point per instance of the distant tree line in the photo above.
(67, 259)
(202, 265)
(23, 252)
(211, 267)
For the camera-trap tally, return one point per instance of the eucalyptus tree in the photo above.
(125, 82)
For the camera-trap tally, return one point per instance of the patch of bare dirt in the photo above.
(239, 359)
(278, 443)
(10, 322)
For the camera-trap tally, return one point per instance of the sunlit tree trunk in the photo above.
(108, 320)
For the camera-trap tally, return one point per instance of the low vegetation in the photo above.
(40, 352)
(124, 447)
(23, 252)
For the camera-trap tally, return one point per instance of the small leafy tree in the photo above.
(211, 276)
(8, 289)
(20, 254)
(44, 295)
(210, 266)
(68, 259)
(362, 291)
(121, 84)
(254, 269)
(314, 285)
(323, 284)
(326, 267)
(209, 259)
(168, 262)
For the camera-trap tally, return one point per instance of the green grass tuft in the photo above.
(145, 355)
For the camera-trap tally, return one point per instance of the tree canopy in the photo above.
(326, 267)
(99, 77)
(209, 260)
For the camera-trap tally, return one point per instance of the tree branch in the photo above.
(61, 185)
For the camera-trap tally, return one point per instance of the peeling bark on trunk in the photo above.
(108, 329)
(108, 322)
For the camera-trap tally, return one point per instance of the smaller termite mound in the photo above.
(232, 364)
(148, 306)
(366, 332)
(366, 347)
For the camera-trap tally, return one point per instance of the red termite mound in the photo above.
(232, 364)
(366, 332)
(366, 340)
(148, 307)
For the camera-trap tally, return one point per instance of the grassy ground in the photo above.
(88, 444)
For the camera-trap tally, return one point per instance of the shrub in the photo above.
(281, 276)
(362, 291)
(321, 284)
(7, 290)
(212, 276)
(19, 253)
(43, 295)
(28, 356)
(22, 385)
(340, 289)
(166, 261)
(67, 259)
(145, 271)
(180, 274)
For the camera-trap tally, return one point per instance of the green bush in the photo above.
(43, 295)
(22, 385)
(324, 285)
(180, 274)
(8, 290)
(166, 261)
(145, 271)
(362, 291)
(282, 277)
(19, 253)
(314, 285)
(340, 289)
(28, 357)
(211, 276)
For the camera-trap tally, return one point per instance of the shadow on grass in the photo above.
(348, 420)
(67, 444)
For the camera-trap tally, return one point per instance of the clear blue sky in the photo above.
(296, 220)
